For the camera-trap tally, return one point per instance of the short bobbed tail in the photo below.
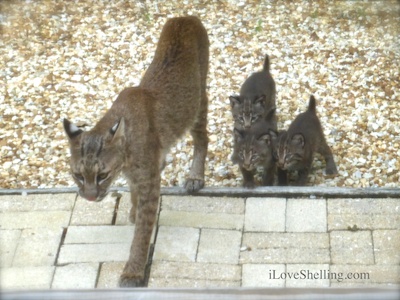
(312, 104)
(266, 64)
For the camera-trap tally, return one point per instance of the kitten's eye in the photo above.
(241, 120)
(241, 155)
(79, 177)
(253, 119)
(102, 177)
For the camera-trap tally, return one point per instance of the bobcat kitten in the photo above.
(256, 99)
(298, 145)
(253, 148)
(136, 133)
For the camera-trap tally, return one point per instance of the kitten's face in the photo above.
(247, 111)
(290, 151)
(96, 160)
(251, 151)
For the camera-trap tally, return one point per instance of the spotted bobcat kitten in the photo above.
(253, 148)
(303, 138)
(256, 99)
(143, 123)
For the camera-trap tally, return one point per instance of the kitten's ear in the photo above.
(298, 139)
(118, 131)
(270, 114)
(71, 129)
(238, 135)
(235, 100)
(260, 101)
(274, 135)
(265, 138)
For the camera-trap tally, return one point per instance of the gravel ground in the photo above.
(71, 59)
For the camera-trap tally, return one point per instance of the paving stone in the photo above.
(286, 255)
(176, 244)
(285, 240)
(262, 275)
(265, 214)
(47, 202)
(363, 213)
(201, 220)
(219, 246)
(99, 234)
(195, 271)
(364, 274)
(78, 253)
(224, 205)
(124, 209)
(307, 275)
(191, 283)
(34, 219)
(75, 276)
(37, 247)
(8, 244)
(93, 213)
(109, 275)
(26, 278)
(349, 247)
(276, 247)
(306, 215)
(386, 246)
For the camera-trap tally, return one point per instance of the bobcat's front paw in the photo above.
(131, 280)
(194, 185)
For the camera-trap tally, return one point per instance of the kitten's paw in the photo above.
(131, 280)
(249, 184)
(194, 185)
(331, 171)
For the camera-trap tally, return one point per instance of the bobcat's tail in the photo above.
(312, 104)
(266, 64)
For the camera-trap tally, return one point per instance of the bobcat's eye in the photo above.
(101, 177)
(78, 177)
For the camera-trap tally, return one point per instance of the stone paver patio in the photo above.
(60, 241)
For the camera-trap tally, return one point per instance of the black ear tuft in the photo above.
(71, 129)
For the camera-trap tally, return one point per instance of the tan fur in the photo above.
(170, 99)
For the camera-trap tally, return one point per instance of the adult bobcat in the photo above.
(137, 132)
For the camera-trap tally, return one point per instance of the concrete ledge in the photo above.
(239, 293)
(274, 191)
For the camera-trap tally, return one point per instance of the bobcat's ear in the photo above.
(118, 131)
(71, 129)
(298, 139)
(235, 100)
